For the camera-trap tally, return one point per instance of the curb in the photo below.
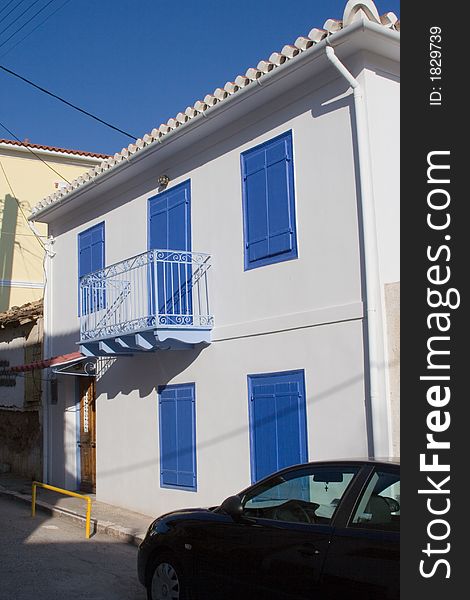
(124, 534)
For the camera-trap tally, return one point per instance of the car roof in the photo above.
(361, 459)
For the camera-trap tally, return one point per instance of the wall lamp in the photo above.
(163, 180)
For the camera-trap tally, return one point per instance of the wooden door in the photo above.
(87, 442)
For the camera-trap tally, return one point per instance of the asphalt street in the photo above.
(48, 558)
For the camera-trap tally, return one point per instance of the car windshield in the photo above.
(310, 495)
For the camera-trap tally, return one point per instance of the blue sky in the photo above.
(136, 63)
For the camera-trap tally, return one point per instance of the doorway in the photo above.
(87, 441)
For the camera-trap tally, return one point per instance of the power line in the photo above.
(34, 28)
(24, 24)
(6, 6)
(19, 16)
(32, 152)
(12, 10)
(85, 112)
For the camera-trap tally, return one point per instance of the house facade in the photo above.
(227, 275)
(24, 177)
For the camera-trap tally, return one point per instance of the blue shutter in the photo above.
(269, 204)
(170, 229)
(177, 436)
(90, 259)
(278, 422)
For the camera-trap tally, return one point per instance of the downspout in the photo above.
(49, 253)
(378, 442)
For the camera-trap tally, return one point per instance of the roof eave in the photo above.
(338, 40)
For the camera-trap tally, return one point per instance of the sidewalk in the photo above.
(123, 524)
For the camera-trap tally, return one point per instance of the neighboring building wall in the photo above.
(21, 255)
(20, 403)
(21, 443)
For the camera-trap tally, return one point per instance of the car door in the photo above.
(363, 558)
(292, 517)
(222, 569)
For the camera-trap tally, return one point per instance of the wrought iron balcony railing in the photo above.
(165, 289)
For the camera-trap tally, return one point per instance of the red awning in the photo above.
(55, 361)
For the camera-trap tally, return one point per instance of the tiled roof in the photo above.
(354, 10)
(19, 315)
(28, 144)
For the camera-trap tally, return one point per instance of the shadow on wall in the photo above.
(8, 223)
(165, 365)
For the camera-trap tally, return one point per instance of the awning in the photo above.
(74, 363)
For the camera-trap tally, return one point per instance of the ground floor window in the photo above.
(278, 423)
(177, 420)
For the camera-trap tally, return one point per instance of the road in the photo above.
(48, 558)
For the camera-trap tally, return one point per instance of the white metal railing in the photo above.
(158, 288)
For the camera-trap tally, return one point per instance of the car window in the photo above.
(302, 496)
(379, 505)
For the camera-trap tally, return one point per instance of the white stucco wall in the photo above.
(127, 420)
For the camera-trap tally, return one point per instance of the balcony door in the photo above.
(171, 273)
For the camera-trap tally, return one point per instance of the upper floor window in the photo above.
(269, 203)
(90, 259)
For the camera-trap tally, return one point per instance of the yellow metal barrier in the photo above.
(67, 493)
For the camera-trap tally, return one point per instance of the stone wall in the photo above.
(20, 442)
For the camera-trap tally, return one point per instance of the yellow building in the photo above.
(23, 179)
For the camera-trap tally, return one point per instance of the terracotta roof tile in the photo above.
(27, 144)
(19, 315)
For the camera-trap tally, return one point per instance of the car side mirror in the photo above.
(232, 506)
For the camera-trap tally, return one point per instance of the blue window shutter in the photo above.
(177, 436)
(169, 228)
(277, 421)
(264, 430)
(91, 250)
(186, 445)
(269, 203)
(281, 229)
(168, 437)
(257, 245)
(90, 259)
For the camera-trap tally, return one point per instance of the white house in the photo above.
(229, 273)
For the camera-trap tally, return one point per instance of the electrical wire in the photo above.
(18, 17)
(26, 23)
(32, 152)
(6, 6)
(12, 10)
(85, 112)
(34, 28)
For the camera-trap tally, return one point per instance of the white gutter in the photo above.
(379, 436)
(46, 396)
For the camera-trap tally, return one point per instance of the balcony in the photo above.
(155, 300)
